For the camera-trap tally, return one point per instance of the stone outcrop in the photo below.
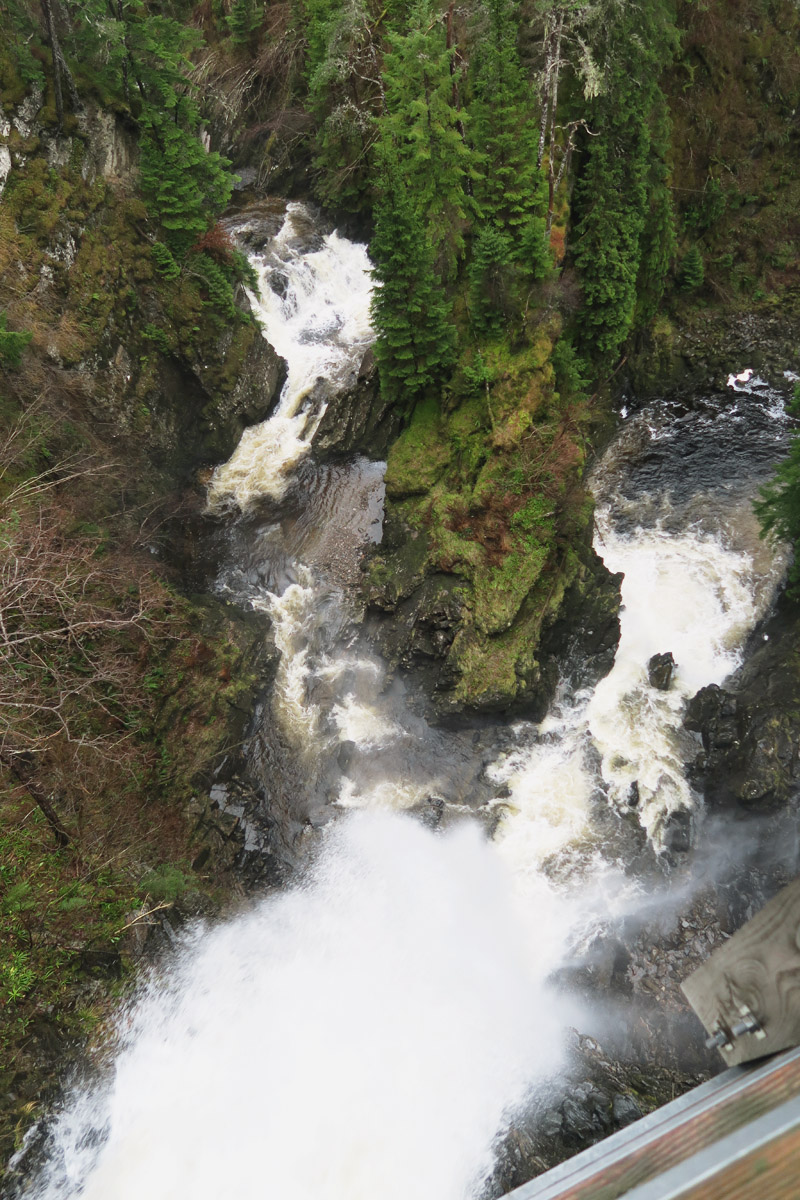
(750, 758)
(423, 621)
(358, 420)
(660, 669)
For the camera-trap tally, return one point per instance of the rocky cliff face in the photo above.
(485, 574)
(129, 384)
(750, 729)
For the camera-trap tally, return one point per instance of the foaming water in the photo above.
(689, 595)
(315, 310)
(367, 1034)
(674, 514)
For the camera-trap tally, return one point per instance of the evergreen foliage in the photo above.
(692, 270)
(510, 189)
(11, 344)
(137, 52)
(164, 260)
(217, 282)
(488, 296)
(344, 92)
(423, 125)
(318, 20)
(657, 247)
(186, 187)
(778, 510)
(608, 237)
(244, 20)
(410, 312)
(625, 224)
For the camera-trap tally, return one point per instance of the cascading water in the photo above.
(371, 1031)
(315, 307)
(360, 1036)
(674, 512)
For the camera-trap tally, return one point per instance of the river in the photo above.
(371, 1030)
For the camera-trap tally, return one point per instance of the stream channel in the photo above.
(372, 1029)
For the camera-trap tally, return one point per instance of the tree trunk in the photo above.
(37, 793)
(55, 51)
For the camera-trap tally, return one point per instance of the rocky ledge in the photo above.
(750, 757)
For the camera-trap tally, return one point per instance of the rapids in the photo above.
(371, 1030)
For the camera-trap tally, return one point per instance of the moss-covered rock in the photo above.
(487, 532)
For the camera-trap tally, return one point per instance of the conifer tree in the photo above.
(488, 274)
(185, 185)
(344, 95)
(144, 54)
(245, 18)
(614, 192)
(510, 188)
(657, 244)
(11, 344)
(423, 125)
(416, 338)
(692, 270)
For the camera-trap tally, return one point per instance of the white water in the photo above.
(370, 1032)
(697, 580)
(690, 595)
(362, 1036)
(321, 327)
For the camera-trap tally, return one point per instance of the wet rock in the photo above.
(632, 798)
(701, 349)
(624, 1110)
(677, 832)
(597, 1094)
(258, 223)
(660, 670)
(430, 812)
(712, 714)
(279, 283)
(552, 1123)
(585, 633)
(749, 731)
(428, 628)
(344, 755)
(357, 419)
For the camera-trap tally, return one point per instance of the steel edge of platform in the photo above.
(584, 1165)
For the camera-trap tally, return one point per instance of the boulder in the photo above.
(660, 670)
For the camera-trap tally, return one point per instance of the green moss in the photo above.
(420, 454)
(491, 671)
(500, 591)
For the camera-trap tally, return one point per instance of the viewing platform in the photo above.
(735, 1137)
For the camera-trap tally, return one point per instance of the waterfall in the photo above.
(371, 1031)
(315, 309)
(362, 1035)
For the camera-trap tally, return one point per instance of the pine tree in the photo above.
(424, 127)
(488, 278)
(416, 338)
(510, 189)
(318, 20)
(615, 190)
(185, 186)
(657, 245)
(11, 344)
(344, 95)
(245, 18)
(692, 270)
